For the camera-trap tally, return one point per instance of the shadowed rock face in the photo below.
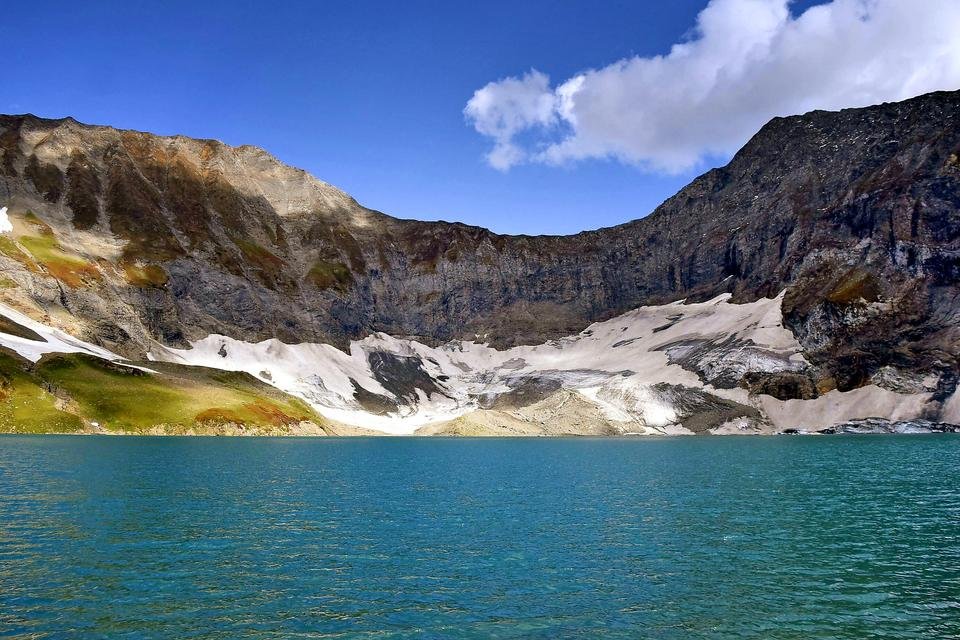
(403, 376)
(700, 411)
(855, 212)
(724, 362)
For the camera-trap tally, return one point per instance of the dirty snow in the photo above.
(613, 364)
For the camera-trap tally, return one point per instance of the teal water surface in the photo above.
(709, 537)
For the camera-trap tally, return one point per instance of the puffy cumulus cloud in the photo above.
(746, 61)
(505, 108)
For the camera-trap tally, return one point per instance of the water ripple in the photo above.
(840, 537)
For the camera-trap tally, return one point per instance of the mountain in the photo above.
(819, 272)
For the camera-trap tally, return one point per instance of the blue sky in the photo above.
(369, 96)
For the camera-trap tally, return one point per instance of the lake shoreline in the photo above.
(869, 426)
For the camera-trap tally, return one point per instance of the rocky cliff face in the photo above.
(129, 240)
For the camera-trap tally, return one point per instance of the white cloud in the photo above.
(503, 109)
(747, 61)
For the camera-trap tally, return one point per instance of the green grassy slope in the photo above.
(63, 392)
(25, 406)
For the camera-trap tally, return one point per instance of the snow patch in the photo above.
(5, 225)
(620, 365)
(835, 407)
(614, 364)
(54, 340)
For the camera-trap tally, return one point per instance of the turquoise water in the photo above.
(763, 537)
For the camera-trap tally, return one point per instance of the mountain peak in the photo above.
(823, 205)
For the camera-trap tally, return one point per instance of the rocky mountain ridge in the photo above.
(140, 243)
